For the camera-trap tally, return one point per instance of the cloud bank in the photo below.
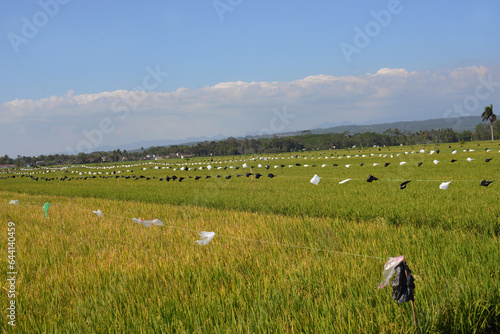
(86, 121)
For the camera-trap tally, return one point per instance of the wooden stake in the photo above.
(251, 172)
(412, 307)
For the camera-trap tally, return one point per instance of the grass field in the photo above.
(81, 273)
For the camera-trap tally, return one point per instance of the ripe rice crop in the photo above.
(82, 273)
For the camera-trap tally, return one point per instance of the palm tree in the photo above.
(489, 115)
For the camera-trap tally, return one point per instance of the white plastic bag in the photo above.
(206, 237)
(315, 179)
(389, 269)
(147, 223)
(444, 185)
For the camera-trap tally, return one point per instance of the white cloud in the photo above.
(393, 72)
(234, 108)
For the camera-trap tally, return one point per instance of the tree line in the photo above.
(275, 144)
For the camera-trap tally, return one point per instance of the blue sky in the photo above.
(86, 58)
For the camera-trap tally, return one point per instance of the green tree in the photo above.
(81, 158)
(481, 132)
(5, 160)
(488, 115)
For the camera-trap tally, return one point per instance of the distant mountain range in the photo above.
(162, 142)
(457, 124)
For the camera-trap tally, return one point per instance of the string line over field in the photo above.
(229, 236)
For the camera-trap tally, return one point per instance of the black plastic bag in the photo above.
(403, 284)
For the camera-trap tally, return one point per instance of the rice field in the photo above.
(288, 256)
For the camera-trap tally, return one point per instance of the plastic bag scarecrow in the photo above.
(45, 209)
(403, 284)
